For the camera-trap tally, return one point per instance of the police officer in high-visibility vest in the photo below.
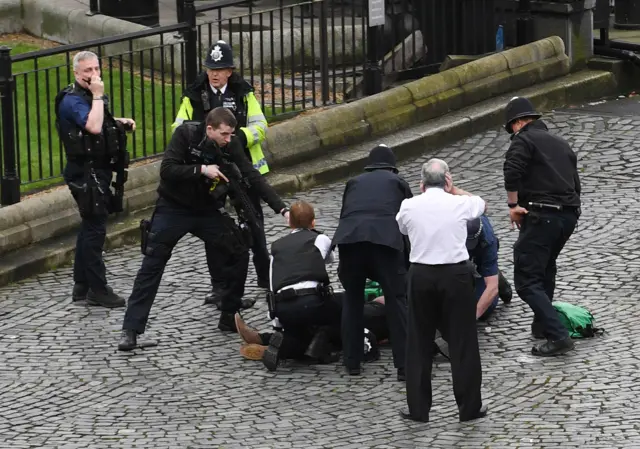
(218, 85)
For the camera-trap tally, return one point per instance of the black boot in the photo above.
(551, 348)
(320, 346)
(227, 322)
(215, 297)
(80, 292)
(504, 289)
(128, 340)
(107, 298)
(271, 355)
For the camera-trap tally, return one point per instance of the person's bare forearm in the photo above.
(487, 297)
(95, 118)
(458, 191)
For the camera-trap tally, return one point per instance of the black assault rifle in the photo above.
(120, 165)
(236, 189)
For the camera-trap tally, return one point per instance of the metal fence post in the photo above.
(524, 23)
(191, 43)
(94, 8)
(372, 72)
(10, 181)
(180, 10)
(324, 51)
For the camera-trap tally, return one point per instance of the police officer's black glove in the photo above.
(243, 138)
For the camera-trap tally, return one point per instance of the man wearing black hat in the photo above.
(543, 188)
(371, 247)
(218, 85)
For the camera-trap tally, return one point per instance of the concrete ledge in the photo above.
(61, 24)
(11, 16)
(50, 253)
(420, 100)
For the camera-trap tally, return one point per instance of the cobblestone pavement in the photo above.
(63, 384)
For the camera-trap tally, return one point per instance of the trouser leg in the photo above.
(422, 323)
(166, 231)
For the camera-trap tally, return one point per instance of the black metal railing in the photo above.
(297, 56)
(143, 82)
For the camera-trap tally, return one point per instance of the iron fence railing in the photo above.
(296, 55)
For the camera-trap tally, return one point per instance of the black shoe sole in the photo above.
(126, 347)
(270, 356)
(108, 305)
(556, 352)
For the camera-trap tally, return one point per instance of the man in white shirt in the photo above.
(441, 291)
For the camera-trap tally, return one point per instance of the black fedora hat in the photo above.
(519, 107)
(381, 157)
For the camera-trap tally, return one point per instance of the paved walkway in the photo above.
(64, 385)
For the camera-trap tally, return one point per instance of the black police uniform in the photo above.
(88, 174)
(203, 100)
(185, 205)
(372, 247)
(300, 311)
(542, 168)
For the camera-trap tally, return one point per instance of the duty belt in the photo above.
(291, 293)
(555, 207)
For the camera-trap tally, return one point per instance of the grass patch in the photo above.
(152, 100)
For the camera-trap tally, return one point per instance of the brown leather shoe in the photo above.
(247, 333)
(252, 351)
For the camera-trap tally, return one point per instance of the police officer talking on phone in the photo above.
(95, 146)
(543, 188)
(192, 170)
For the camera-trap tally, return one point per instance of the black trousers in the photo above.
(259, 248)
(300, 318)
(375, 320)
(88, 265)
(543, 235)
(359, 261)
(169, 225)
(441, 297)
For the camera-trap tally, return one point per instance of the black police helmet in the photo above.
(220, 56)
(519, 107)
(474, 229)
(381, 157)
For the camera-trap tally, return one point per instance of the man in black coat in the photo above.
(543, 188)
(370, 246)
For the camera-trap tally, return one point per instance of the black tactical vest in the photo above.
(82, 146)
(297, 259)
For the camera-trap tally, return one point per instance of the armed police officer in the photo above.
(202, 163)
(95, 146)
(543, 188)
(219, 86)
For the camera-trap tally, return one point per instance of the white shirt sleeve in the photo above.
(323, 243)
(401, 218)
(475, 207)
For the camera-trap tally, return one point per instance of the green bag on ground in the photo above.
(577, 320)
(371, 290)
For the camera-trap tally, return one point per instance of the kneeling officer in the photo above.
(188, 203)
